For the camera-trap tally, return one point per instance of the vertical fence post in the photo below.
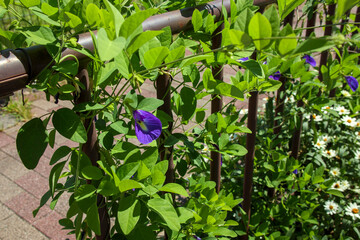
(249, 158)
(163, 90)
(324, 55)
(296, 139)
(280, 95)
(216, 105)
(91, 149)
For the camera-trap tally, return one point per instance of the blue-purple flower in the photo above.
(353, 83)
(147, 126)
(295, 171)
(196, 237)
(310, 60)
(275, 76)
(243, 59)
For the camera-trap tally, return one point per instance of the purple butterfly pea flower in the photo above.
(243, 59)
(353, 83)
(196, 237)
(310, 60)
(147, 126)
(295, 171)
(275, 76)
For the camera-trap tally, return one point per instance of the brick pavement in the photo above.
(21, 189)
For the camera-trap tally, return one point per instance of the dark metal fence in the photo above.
(20, 66)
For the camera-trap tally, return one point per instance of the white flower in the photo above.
(357, 154)
(342, 111)
(325, 138)
(290, 99)
(316, 118)
(335, 172)
(337, 186)
(345, 185)
(326, 109)
(357, 124)
(331, 207)
(357, 134)
(205, 149)
(329, 153)
(349, 121)
(353, 211)
(345, 93)
(243, 111)
(320, 144)
(233, 137)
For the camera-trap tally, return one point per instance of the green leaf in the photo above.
(85, 197)
(128, 184)
(72, 20)
(67, 88)
(39, 12)
(68, 124)
(196, 20)
(335, 193)
(31, 142)
(150, 104)
(106, 73)
(286, 6)
(93, 14)
(260, 30)
(116, 16)
(242, 21)
(30, 3)
(93, 220)
(88, 106)
(2, 11)
(254, 67)
(40, 35)
(236, 149)
(128, 213)
(91, 173)
(166, 211)
(134, 21)
(235, 37)
(314, 45)
(195, 59)
(120, 127)
(67, 67)
(174, 188)
(343, 6)
(273, 16)
(61, 152)
(270, 85)
(142, 172)
(288, 43)
(218, 87)
(48, 9)
(175, 54)
(140, 40)
(54, 176)
(108, 49)
(52, 138)
(189, 101)
(155, 56)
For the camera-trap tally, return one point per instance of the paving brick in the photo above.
(44, 105)
(8, 189)
(11, 151)
(5, 212)
(34, 183)
(66, 104)
(43, 167)
(5, 140)
(24, 204)
(16, 228)
(11, 168)
(49, 225)
(38, 112)
(12, 131)
(49, 152)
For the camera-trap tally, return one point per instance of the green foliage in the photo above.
(132, 178)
